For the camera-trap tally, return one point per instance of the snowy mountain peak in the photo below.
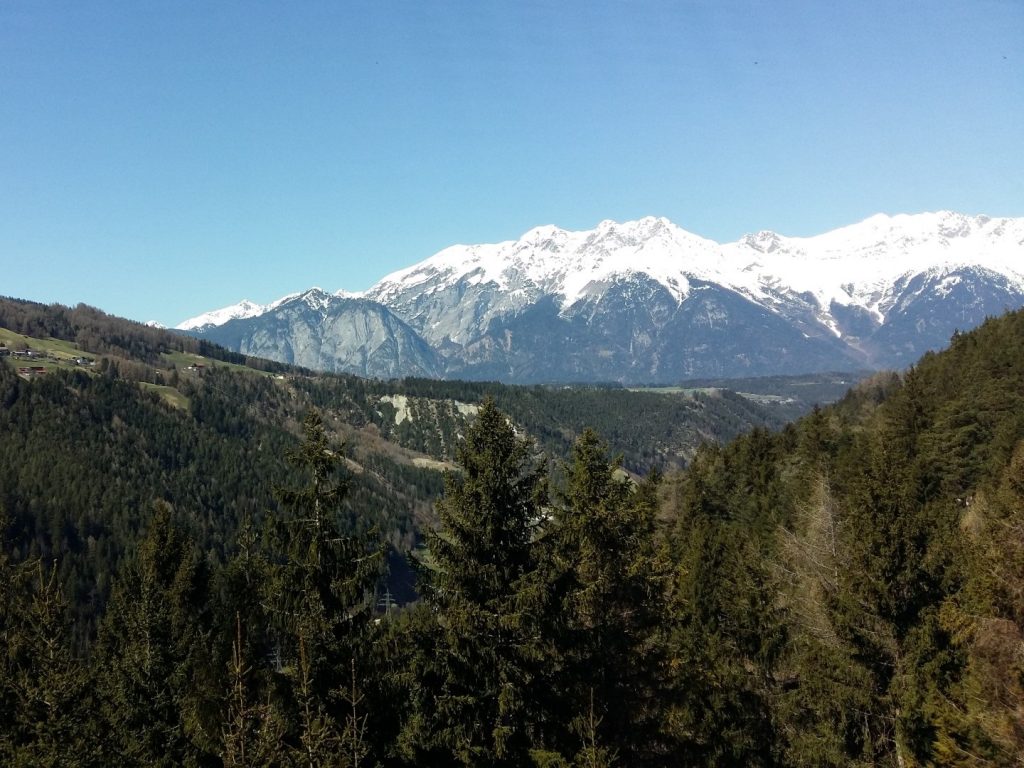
(548, 260)
(633, 233)
(646, 300)
(957, 225)
(453, 295)
(764, 241)
(315, 298)
(859, 265)
(242, 309)
(854, 266)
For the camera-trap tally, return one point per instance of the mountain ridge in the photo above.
(640, 300)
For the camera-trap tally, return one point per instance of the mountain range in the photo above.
(646, 301)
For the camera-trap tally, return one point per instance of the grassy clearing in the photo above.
(53, 354)
(61, 349)
(182, 360)
(757, 397)
(169, 395)
(766, 399)
(425, 462)
(60, 355)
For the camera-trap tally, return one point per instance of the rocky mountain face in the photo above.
(326, 332)
(646, 301)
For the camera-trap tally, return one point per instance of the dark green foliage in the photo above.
(45, 693)
(651, 429)
(483, 586)
(847, 591)
(156, 675)
(321, 596)
(725, 633)
(890, 582)
(610, 661)
(791, 396)
(81, 455)
(253, 730)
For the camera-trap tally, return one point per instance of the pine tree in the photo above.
(482, 584)
(898, 538)
(824, 687)
(253, 730)
(722, 622)
(156, 675)
(253, 707)
(44, 688)
(321, 595)
(982, 721)
(613, 586)
(8, 636)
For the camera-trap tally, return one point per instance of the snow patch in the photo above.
(242, 309)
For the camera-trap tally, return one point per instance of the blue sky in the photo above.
(159, 159)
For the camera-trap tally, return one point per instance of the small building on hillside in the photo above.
(31, 372)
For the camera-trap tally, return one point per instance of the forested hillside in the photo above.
(846, 590)
(126, 416)
(648, 428)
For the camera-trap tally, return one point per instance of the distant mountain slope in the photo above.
(218, 317)
(330, 333)
(646, 301)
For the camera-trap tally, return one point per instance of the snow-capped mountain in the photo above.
(864, 265)
(856, 266)
(647, 301)
(314, 297)
(242, 309)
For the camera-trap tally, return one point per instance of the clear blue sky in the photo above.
(158, 159)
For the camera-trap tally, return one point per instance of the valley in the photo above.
(752, 558)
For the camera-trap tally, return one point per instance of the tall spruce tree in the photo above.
(825, 690)
(722, 624)
(45, 696)
(254, 724)
(612, 586)
(321, 598)
(475, 703)
(156, 676)
(899, 537)
(52, 718)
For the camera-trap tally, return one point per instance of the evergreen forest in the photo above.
(199, 555)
